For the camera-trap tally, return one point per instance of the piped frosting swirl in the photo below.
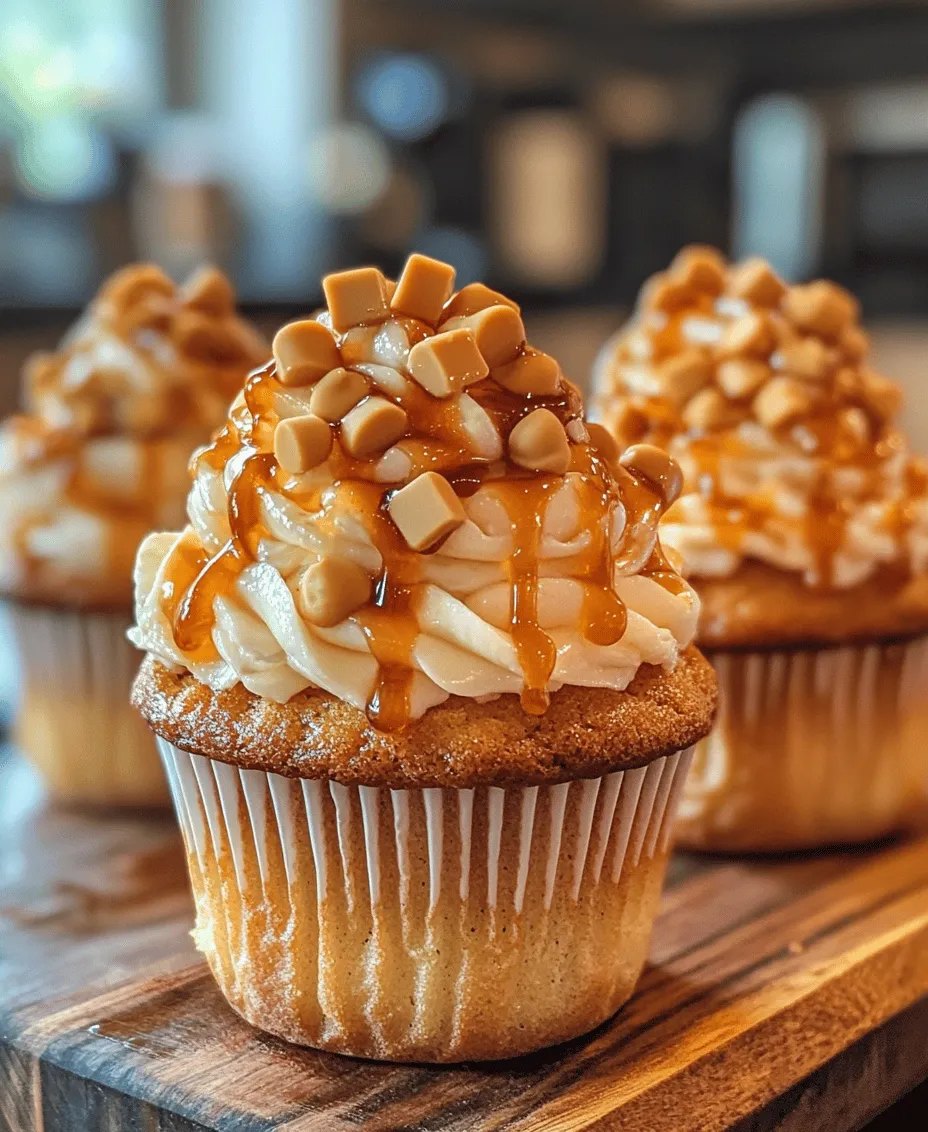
(786, 436)
(98, 458)
(406, 504)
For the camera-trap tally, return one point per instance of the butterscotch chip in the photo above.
(208, 290)
(200, 336)
(540, 443)
(806, 357)
(473, 298)
(700, 268)
(304, 351)
(821, 308)
(445, 364)
(423, 288)
(372, 426)
(684, 374)
(751, 335)
(603, 441)
(854, 343)
(883, 397)
(302, 443)
(755, 281)
(497, 330)
(656, 466)
(781, 400)
(356, 298)
(531, 373)
(665, 293)
(338, 392)
(741, 377)
(707, 410)
(124, 288)
(426, 510)
(332, 589)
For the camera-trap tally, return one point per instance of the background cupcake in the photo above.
(805, 531)
(421, 680)
(97, 460)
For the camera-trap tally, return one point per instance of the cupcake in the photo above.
(804, 528)
(95, 462)
(423, 684)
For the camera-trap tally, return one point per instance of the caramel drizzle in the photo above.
(820, 437)
(389, 622)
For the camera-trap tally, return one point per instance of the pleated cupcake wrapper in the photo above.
(843, 730)
(75, 721)
(623, 817)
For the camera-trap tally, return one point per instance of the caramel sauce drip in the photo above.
(820, 436)
(434, 442)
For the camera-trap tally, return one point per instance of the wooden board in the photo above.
(789, 994)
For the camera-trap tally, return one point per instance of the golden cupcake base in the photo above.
(75, 723)
(812, 747)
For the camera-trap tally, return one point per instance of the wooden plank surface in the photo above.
(780, 994)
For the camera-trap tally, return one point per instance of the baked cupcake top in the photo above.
(98, 456)
(786, 436)
(406, 505)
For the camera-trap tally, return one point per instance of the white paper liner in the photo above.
(415, 858)
(812, 747)
(74, 720)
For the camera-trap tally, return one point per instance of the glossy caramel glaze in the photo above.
(435, 440)
(144, 377)
(786, 436)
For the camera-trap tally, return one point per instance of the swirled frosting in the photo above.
(530, 579)
(786, 436)
(98, 459)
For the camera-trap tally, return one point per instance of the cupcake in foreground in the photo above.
(423, 684)
(804, 528)
(96, 461)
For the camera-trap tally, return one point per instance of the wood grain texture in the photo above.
(780, 995)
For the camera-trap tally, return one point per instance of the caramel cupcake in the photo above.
(804, 528)
(423, 684)
(95, 462)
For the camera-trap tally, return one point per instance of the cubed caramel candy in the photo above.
(751, 335)
(665, 293)
(304, 352)
(497, 330)
(684, 374)
(806, 357)
(603, 441)
(821, 308)
(782, 399)
(755, 281)
(356, 298)
(854, 343)
(126, 286)
(532, 373)
(540, 443)
(741, 377)
(447, 363)
(209, 290)
(338, 392)
(700, 268)
(473, 298)
(332, 590)
(657, 467)
(371, 427)
(423, 289)
(883, 397)
(707, 410)
(426, 510)
(302, 443)
(200, 335)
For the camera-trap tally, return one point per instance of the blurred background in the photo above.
(560, 150)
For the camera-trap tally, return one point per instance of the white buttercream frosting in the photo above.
(461, 600)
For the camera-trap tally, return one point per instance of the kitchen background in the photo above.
(562, 151)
